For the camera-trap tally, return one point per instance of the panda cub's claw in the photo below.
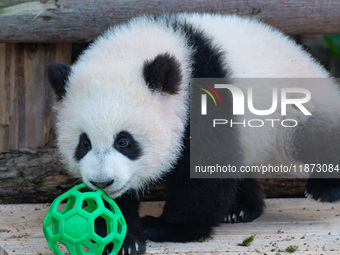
(132, 246)
(235, 217)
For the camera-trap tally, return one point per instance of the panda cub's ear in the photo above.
(163, 74)
(57, 76)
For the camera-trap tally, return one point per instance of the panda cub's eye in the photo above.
(123, 142)
(86, 144)
(126, 144)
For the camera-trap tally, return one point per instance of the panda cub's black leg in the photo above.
(324, 190)
(134, 242)
(249, 203)
(160, 230)
(193, 207)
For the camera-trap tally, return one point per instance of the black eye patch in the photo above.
(84, 146)
(127, 145)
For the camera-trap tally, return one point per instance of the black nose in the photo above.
(102, 185)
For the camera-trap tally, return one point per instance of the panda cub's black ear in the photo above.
(163, 74)
(57, 76)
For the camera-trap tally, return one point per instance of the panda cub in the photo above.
(122, 119)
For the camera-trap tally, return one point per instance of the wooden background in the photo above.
(26, 100)
(34, 33)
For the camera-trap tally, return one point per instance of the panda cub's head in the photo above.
(123, 106)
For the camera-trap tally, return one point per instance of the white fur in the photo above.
(107, 94)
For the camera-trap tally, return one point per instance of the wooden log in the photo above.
(26, 119)
(38, 176)
(82, 20)
(32, 176)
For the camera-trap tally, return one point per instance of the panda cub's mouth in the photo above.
(109, 191)
(115, 193)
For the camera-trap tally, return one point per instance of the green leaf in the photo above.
(292, 248)
(248, 241)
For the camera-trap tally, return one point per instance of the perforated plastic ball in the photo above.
(73, 224)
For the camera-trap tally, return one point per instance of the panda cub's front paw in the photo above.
(132, 246)
(324, 190)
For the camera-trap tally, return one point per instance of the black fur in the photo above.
(84, 146)
(208, 59)
(193, 206)
(163, 73)
(58, 75)
(131, 149)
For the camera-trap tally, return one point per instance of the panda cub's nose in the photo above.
(102, 185)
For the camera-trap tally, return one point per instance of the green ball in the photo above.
(74, 224)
